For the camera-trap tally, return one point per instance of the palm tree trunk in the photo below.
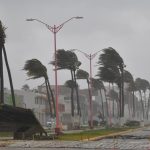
(102, 104)
(142, 103)
(148, 107)
(49, 101)
(90, 104)
(113, 103)
(122, 89)
(72, 96)
(113, 107)
(52, 95)
(9, 75)
(129, 106)
(72, 102)
(107, 112)
(120, 101)
(109, 107)
(1, 78)
(145, 104)
(133, 100)
(77, 94)
(118, 107)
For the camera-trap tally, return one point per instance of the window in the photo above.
(39, 100)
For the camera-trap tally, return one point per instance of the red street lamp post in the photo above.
(89, 57)
(55, 30)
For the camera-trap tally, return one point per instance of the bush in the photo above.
(95, 123)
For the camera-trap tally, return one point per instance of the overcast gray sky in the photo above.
(121, 24)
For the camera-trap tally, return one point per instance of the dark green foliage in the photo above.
(111, 70)
(132, 123)
(69, 60)
(110, 58)
(113, 94)
(70, 84)
(66, 60)
(2, 34)
(97, 84)
(128, 77)
(109, 74)
(81, 74)
(35, 69)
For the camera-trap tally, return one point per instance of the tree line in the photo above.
(111, 69)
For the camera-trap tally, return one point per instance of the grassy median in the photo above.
(90, 134)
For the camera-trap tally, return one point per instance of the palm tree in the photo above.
(144, 87)
(111, 62)
(113, 96)
(35, 69)
(81, 74)
(3, 50)
(97, 84)
(132, 88)
(68, 60)
(140, 87)
(71, 84)
(148, 103)
(128, 78)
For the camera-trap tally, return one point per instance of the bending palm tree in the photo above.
(139, 84)
(68, 60)
(81, 74)
(35, 69)
(71, 84)
(3, 50)
(111, 61)
(97, 84)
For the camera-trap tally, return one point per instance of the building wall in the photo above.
(28, 99)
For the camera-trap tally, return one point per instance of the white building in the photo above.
(30, 100)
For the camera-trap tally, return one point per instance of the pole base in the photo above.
(58, 131)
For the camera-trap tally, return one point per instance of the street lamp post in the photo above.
(55, 30)
(90, 57)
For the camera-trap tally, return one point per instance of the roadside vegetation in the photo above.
(91, 134)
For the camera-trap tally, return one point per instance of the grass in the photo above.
(6, 134)
(90, 134)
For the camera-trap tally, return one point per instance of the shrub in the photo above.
(132, 123)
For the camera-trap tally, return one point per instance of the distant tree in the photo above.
(132, 88)
(25, 87)
(97, 84)
(71, 84)
(114, 97)
(82, 74)
(128, 78)
(141, 86)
